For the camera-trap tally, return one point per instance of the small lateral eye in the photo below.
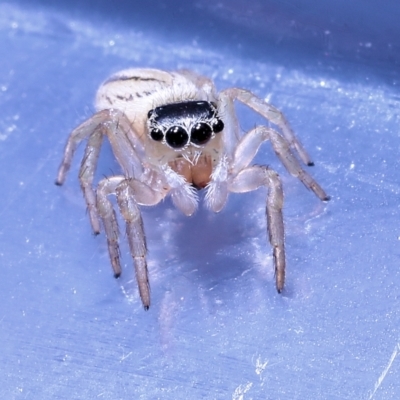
(218, 126)
(150, 113)
(156, 134)
(176, 137)
(200, 133)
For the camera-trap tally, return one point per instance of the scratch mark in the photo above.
(385, 371)
(241, 390)
(260, 366)
(128, 290)
(124, 357)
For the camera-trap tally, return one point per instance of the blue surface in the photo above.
(217, 329)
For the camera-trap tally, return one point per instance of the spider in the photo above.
(173, 134)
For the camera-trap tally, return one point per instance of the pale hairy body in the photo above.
(172, 134)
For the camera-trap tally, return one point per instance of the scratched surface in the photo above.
(217, 329)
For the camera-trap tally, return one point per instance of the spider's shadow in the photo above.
(213, 244)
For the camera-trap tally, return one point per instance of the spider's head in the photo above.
(179, 125)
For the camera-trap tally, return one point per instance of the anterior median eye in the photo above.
(176, 137)
(201, 133)
(156, 134)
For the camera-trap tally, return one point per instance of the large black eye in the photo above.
(200, 133)
(156, 134)
(218, 125)
(176, 137)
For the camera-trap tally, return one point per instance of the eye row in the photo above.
(177, 136)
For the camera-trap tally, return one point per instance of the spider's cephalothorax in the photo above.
(189, 139)
(182, 124)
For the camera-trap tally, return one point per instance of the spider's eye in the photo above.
(150, 113)
(218, 125)
(176, 137)
(200, 133)
(156, 134)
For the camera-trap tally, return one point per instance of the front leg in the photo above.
(272, 114)
(130, 192)
(136, 238)
(251, 142)
(251, 179)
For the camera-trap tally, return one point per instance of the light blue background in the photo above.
(216, 329)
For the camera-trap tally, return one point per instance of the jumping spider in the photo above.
(173, 133)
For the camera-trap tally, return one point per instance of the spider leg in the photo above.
(107, 213)
(136, 238)
(130, 193)
(80, 133)
(272, 114)
(252, 178)
(86, 176)
(126, 148)
(249, 145)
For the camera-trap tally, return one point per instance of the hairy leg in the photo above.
(107, 213)
(136, 238)
(272, 114)
(126, 147)
(249, 145)
(252, 178)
